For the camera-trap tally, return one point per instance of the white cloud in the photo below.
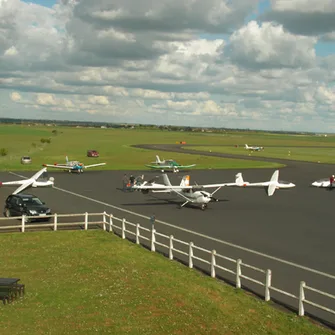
(98, 100)
(304, 6)
(305, 17)
(269, 45)
(15, 96)
(193, 62)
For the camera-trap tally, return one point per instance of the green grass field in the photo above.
(85, 282)
(114, 146)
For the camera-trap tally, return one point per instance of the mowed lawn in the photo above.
(114, 145)
(85, 282)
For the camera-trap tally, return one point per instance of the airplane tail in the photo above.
(67, 159)
(166, 180)
(246, 146)
(239, 179)
(273, 183)
(185, 181)
(158, 160)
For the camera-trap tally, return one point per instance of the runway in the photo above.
(290, 233)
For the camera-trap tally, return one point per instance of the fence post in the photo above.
(238, 273)
(190, 255)
(171, 248)
(23, 223)
(268, 275)
(137, 233)
(302, 298)
(86, 220)
(213, 263)
(55, 221)
(123, 228)
(110, 222)
(153, 239)
(104, 220)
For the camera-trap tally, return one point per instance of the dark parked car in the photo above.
(92, 153)
(26, 204)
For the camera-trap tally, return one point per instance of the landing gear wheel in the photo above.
(203, 206)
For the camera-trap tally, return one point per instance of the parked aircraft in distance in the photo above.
(273, 184)
(253, 148)
(73, 166)
(324, 183)
(167, 165)
(190, 194)
(34, 181)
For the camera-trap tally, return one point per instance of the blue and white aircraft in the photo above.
(73, 166)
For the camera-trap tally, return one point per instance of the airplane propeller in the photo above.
(209, 196)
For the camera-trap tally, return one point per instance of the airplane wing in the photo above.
(39, 173)
(59, 166)
(178, 187)
(158, 166)
(185, 166)
(25, 183)
(24, 186)
(93, 165)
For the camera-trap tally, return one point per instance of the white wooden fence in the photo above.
(140, 234)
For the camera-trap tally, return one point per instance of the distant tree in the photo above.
(55, 132)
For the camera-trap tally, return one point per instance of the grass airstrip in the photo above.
(115, 147)
(85, 282)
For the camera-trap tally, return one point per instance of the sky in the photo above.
(257, 64)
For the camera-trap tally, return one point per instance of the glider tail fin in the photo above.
(185, 181)
(246, 146)
(239, 179)
(157, 159)
(273, 183)
(67, 159)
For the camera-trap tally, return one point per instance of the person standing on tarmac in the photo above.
(131, 180)
(331, 181)
(125, 182)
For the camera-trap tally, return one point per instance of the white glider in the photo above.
(325, 183)
(271, 185)
(193, 194)
(31, 182)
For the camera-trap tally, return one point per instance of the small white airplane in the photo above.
(273, 184)
(168, 164)
(31, 182)
(324, 183)
(73, 166)
(253, 148)
(191, 194)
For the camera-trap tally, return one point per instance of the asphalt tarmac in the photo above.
(290, 233)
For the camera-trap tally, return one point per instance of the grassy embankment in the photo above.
(85, 282)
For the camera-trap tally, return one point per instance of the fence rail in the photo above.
(108, 223)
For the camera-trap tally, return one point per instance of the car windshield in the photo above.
(32, 201)
(26, 157)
